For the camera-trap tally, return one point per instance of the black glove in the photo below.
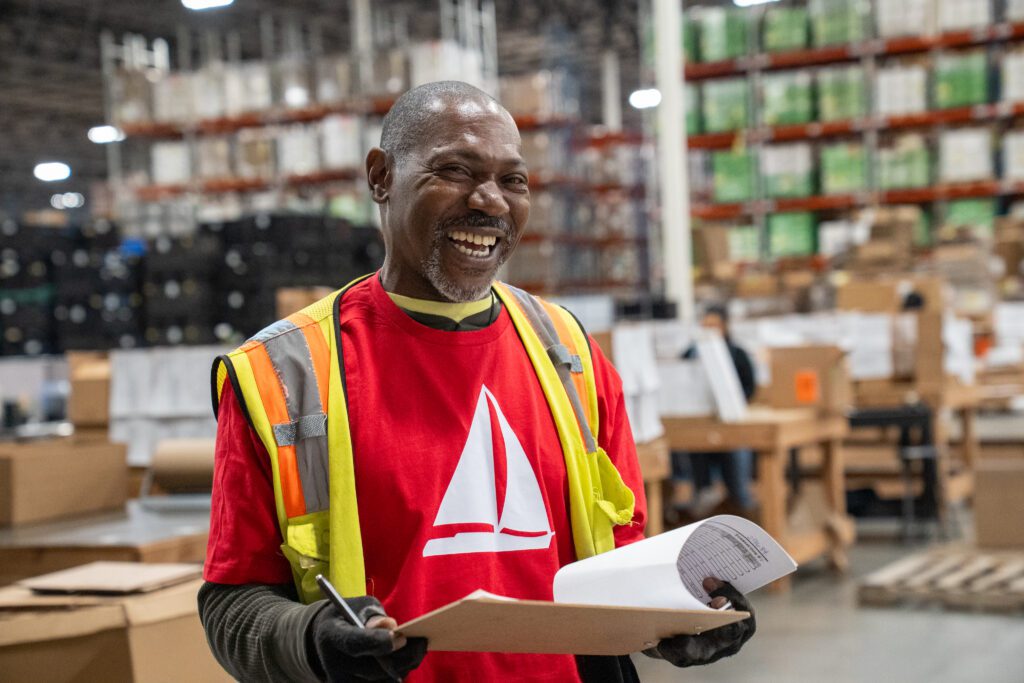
(710, 646)
(348, 653)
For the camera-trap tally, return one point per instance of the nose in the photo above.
(487, 198)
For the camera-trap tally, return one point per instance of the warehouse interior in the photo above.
(794, 227)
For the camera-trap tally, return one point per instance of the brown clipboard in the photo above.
(490, 624)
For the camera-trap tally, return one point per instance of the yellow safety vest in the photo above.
(290, 383)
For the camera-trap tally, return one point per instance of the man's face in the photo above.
(457, 204)
(713, 321)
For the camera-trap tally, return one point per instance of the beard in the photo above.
(449, 287)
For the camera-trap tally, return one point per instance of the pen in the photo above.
(331, 593)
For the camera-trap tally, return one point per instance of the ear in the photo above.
(378, 174)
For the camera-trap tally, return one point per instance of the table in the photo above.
(655, 466)
(771, 434)
(134, 535)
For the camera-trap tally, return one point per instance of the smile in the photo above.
(477, 246)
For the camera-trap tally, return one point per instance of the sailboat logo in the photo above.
(521, 523)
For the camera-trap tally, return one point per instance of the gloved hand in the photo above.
(710, 646)
(348, 653)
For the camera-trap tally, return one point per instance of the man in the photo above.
(447, 470)
(736, 467)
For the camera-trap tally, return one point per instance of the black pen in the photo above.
(331, 593)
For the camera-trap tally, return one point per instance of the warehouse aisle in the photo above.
(818, 633)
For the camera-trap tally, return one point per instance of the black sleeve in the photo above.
(690, 353)
(259, 632)
(745, 369)
(606, 669)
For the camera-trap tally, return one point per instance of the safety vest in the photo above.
(290, 383)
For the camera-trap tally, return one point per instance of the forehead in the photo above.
(482, 126)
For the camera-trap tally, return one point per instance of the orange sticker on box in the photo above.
(807, 385)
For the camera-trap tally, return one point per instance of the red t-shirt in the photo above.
(459, 474)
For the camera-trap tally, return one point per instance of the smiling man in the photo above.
(420, 434)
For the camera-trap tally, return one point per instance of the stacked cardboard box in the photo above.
(957, 15)
(791, 234)
(835, 22)
(722, 32)
(906, 162)
(965, 154)
(787, 98)
(843, 168)
(691, 95)
(89, 399)
(904, 17)
(784, 28)
(733, 176)
(967, 267)
(1012, 81)
(841, 93)
(1013, 153)
(889, 247)
(977, 216)
(811, 377)
(998, 505)
(725, 104)
(787, 170)
(901, 88)
(744, 243)
(961, 79)
(1009, 245)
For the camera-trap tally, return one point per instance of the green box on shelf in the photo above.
(744, 243)
(722, 33)
(834, 22)
(733, 174)
(691, 95)
(787, 98)
(977, 213)
(792, 234)
(784, 29)
(689, 39)
(843, 168)
(782, 185)
(905, 165)
(841, 93)
(961, 79)
(725, 103)
(923, 230)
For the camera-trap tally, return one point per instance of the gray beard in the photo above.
(442, 283)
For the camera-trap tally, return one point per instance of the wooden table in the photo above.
(656, 467)
(771, 434)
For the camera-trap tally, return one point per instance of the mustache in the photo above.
(477, 220)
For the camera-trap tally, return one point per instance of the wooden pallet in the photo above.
(955, 577)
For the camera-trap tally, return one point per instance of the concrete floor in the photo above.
(818, 633)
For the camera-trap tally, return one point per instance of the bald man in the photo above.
(440, 388)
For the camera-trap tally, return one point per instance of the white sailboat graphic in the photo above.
(471, 497)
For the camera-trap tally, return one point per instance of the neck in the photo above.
(397, 280)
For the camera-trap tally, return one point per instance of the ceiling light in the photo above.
(101, 135)
(751, 3)
(73, 200)
(51, 171)
(645, 99)
(205, 4)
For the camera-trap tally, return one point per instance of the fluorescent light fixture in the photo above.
(50, 171)
(645, 99)
(751, 3)
(102, 135)
(67, 200)
(205, 4)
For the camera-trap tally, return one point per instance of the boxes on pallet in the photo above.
(213, 156)
(787, 170)
(744, 243)
(171, 163)
(905, 17)
(811, 377)
(961, 79)
(340, 142)
(254, 153)
(733, 176)
(787, 98)
(1012, 75)
(784, 28)
(722, 32)
(298, 150)
(834, 22)
(691, 96)
(840, 236)
(726, 105)
(841, 93)
(333, 77)
(843, 168)
(1013, 155)
(791, 234)
(954, 15)
(998, 505)
(965, 154)
(173, 98)
(901, 88)
(978, 215)
(904, 163)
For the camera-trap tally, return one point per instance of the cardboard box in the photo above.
(754, 285)
(929, 359)
(886, 295)
(293, 299)
(811, 376)
(89, 402)
(148, 638)
(57, 478)
(998, 505)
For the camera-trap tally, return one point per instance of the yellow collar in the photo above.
(453, 311)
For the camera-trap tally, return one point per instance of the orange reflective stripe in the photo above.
(320, 354)
(272, 397)
(578, 378)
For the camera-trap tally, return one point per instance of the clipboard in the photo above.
(487, 623)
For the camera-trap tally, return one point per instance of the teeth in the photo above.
(483, 240)
(471, 252)
(489, 241)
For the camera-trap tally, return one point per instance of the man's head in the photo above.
(452, 190)
(716, 317)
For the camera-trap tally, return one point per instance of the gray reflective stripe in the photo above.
(559, 355)
(293, 362)
(272, 331)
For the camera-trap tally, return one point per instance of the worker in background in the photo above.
(736, 467)
(404, 437)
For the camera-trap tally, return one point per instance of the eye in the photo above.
(455, 170)
(517, 181)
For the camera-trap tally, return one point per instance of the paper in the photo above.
(666, 571)
(721, 373)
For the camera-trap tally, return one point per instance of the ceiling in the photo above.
(51, 90)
